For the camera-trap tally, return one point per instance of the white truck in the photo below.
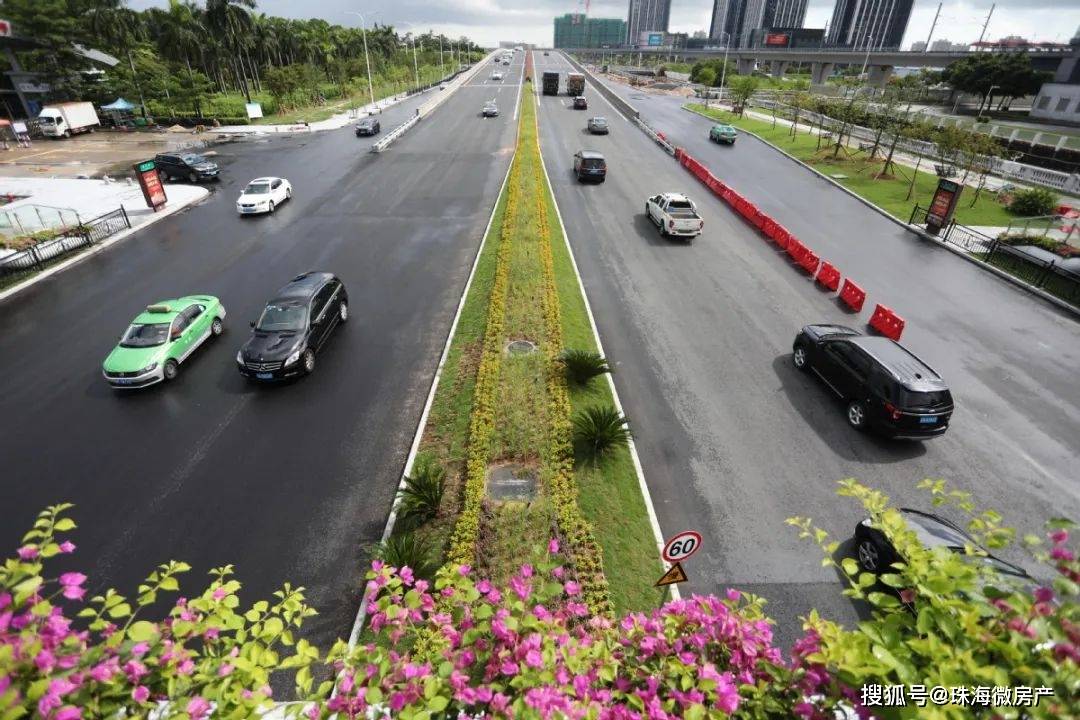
(675, 215)
(66, 119)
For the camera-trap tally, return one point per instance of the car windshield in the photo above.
(46, 120)
(138, 336)
(912, 399)
(599, 121)
(194, 159)
(367, 122)
(680, 205)
(592, 162)
(996, 565)
(282, 317)
(257, 189)
(932, 532)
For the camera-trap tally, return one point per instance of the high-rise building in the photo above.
(879, 24)
(737, 19)
(647, 16)
(575, 30)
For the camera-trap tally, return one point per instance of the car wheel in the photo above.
(192, 177)
(270, 207)
(308, 358)
(171, 370)
(288, 193)
(869, 556)
(343, 312)
(856, 415)
(799, 359)
(217, 327)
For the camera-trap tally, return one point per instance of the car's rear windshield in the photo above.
(922, 399)
(599, 121)
(593, 162)
(283, 317)
(138, 336)
(680, 205)
(257, 189)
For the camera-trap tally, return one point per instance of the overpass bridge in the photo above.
(822, 61)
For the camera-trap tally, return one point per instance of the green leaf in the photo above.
(120, 610)
(438, 703)
(851, 567)
(64, 525)
(142, 631)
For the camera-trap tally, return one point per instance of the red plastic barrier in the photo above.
(809, 261)
(782, 237)
(661, 135)
(768, 226)
(886, 322)
(852, 295)
(795, 249)
(679, 154)
(828, 276)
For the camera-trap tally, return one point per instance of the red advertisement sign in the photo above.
(942, 205)
(150, 182)
(774, 39)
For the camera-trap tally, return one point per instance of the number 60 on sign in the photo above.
(682, 546)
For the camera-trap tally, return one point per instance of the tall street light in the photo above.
(723, 68)
(416, 66)
(367, 60)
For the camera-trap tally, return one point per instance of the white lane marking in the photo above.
(644, 487)
(521, 83)
(361, 614)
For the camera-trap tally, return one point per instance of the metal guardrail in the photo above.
(34, 258)
(395, 134)
(657, 137)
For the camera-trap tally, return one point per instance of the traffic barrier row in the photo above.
(884, 320)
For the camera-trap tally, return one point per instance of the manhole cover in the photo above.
(520, 347)
(511, 482)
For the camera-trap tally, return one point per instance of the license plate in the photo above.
(247, 210)
(264, 376)
(122, 381)
(928, 420)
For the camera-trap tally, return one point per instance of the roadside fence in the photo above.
(35, 257)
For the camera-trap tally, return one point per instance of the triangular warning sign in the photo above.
(672, 576)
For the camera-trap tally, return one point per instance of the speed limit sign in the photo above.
(682, 546)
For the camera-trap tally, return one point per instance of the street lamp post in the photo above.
(416, 67)
(723, 68)
(985, 98)
(367, 60)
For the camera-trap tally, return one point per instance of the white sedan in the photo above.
(496, 76)
(263, 195)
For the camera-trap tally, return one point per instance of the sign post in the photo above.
(943, 205)
(150, 183)
(675, 551)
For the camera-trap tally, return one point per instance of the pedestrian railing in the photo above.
(38, 255)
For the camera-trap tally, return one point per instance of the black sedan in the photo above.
(293, 327)
(580, 103)
(368, 126)
(876, 554)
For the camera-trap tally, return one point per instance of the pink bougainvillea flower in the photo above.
(68, 712)
(572, 588)
(140, 694)
(27, 552)
(907, 596)
(1062, 553)
(1058, 536)
(198, 708)
(67, 547)
(553, 546)
(1044, 594)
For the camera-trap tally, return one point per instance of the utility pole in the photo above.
(932, 26)
(983, 33)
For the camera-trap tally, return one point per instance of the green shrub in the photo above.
(600, 429)
(581, 366)
(1032, 202)
(409, 550)
(422, 495)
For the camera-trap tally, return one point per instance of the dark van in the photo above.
(589, 165)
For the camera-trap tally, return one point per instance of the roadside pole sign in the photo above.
(943, 205)
(150, 183)
(682, 546)
(672, 576)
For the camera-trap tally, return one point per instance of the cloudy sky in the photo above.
(488, 21)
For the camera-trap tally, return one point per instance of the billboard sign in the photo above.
(776, 39)
(150, 183)
(655, 39)
(942, 206)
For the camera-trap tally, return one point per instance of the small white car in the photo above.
(263, 195)
(496, 76)
(490, 109)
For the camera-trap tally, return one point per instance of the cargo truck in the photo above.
(66, 119)
(551, 83)
(575, 84)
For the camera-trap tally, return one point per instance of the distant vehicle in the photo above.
(598, 126)
(674, 214)
(66, 119)
(263, 195)
(722, 134)
(885, 385)
(490, 109)
(368, 126)
(293, 327)
(589, 165)
(876, 554)
(496, 76)
(546, 53)
(162, 337)
(190, 166)
(551, 83)
(580, 103)
(575, 84)
(506, 62)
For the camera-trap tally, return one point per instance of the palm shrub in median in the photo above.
(421, 495)
(409, 549)
(598, 429)
(581, 366)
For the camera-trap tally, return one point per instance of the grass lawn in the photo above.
(887, 193)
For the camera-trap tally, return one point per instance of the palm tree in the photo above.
(230, 21)
(120, 28)
(179, 35)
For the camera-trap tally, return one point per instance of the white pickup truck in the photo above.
(674, 214)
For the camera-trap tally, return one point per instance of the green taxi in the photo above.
(722, 134)
(162, 337)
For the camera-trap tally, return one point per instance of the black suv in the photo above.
(589, 165)
(293, 327)
(885, 386)
(367, 126)
(190, 166)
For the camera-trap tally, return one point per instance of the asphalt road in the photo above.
(732, 438)
(290, 483)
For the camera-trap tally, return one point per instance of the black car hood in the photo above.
(271, 346)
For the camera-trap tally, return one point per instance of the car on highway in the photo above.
(490, 109)
(589, 165)
(580, 103)
(876, 554)
(293, 327)
(675, 215)
(160, 338)
(546, 53)
(722, 134)
(368, 126)
(598, 126)
(884, 385)
(496, 76)
(187, 166)
(263, 195)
